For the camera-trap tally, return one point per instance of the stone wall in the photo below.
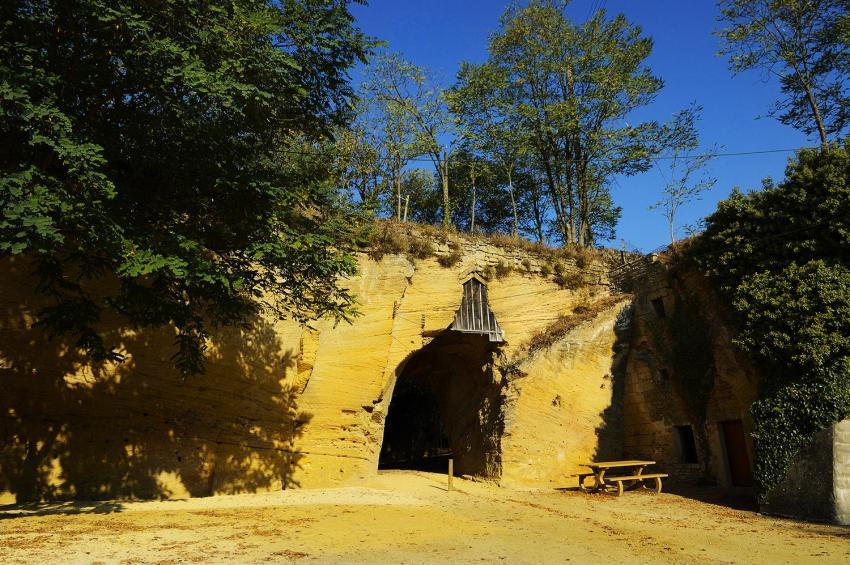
(807, 489)
(817, 486)
(282, 406)
(841, 471)
(658, 398)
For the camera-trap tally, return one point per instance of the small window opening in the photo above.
(687, 444)
(658, 305)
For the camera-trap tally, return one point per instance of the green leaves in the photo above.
(798, 316)
(570, 87)
(173, 148)
(782, 256)
(803, 44)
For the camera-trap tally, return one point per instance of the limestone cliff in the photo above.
(284, 406)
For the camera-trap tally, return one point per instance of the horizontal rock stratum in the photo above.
(285, 406)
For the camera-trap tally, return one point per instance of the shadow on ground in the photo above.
(8, 511)
(736, 498)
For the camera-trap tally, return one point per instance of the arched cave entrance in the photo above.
(447, 401)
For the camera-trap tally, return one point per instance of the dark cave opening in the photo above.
(447, 402)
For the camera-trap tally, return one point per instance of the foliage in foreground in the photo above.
(782, 255)
(170, 147)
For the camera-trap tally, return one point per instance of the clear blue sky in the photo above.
(439, 34)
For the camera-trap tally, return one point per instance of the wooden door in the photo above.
(736, 453)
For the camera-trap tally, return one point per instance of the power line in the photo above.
(420, 159)
(734, 154)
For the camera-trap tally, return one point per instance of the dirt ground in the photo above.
(408, 517)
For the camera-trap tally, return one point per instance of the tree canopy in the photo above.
(782, 256)
(172, 146)
(806, 45)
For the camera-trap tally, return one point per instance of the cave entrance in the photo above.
(447, 402)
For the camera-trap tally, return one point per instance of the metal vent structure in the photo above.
(474, 315)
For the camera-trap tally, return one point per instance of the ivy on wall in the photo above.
(682, 343)
(781, 256)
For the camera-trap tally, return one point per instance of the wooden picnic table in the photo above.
(632, 471)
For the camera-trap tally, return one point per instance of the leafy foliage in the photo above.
(570, 88)
(804, 43)
(170, 147)
(782, 255)
(412, 114)
(687, 179)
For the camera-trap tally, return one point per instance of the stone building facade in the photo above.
(688, 390)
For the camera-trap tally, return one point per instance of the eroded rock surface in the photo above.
(282, 406)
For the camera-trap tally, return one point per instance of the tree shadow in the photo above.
(8, 511)
(137, 430)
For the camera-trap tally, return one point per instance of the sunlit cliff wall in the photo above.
(282, 406)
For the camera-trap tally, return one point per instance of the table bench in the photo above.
(634, 475)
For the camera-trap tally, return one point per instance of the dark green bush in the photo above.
(782, 257)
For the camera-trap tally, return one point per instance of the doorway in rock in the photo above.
(737, 458)
(447, 402)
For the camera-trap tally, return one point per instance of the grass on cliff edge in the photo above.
(389, 237)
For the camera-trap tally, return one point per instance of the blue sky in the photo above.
(440, 34)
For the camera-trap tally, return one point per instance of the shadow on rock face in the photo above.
(72, 430)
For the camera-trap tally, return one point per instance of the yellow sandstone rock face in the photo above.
(283, 406)
(565, 410)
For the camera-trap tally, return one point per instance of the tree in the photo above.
(780, 255)
(804, 44)
(575, 85)
(687, 179)
(388, 116)
(477, 192)
(362, 165)
(422, 199)
(170, 148)
(414, 96)
(532, 202)
(483, 103)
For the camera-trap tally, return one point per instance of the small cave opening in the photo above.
(447, 402)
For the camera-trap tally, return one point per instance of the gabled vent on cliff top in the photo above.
(474, 315)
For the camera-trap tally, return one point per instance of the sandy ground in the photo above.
(408, 517)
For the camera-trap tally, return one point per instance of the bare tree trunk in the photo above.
(472, 212)
(398, 190)
(671, 218)
(672, 231)
(406, 205)
(444, 166)
(824, 144)
(557, 201)
(513, 204)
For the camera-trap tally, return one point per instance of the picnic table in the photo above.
(631, 472)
